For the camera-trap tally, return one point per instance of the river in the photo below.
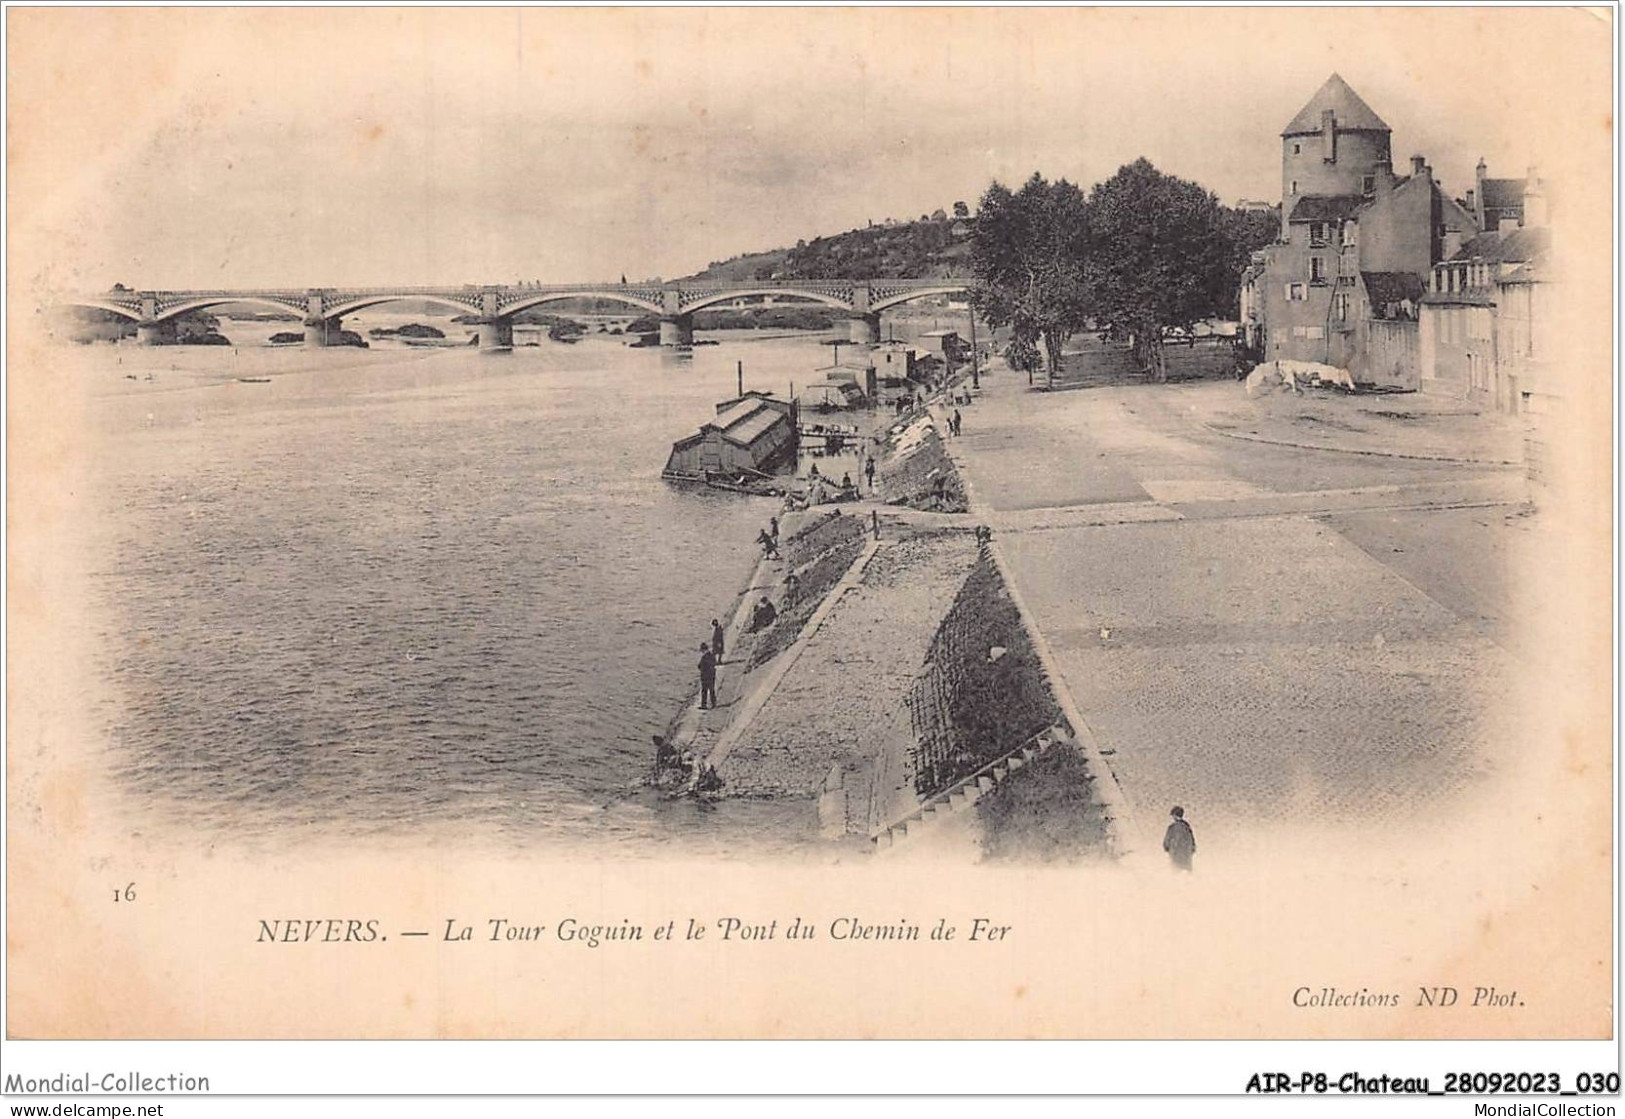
(411, 592)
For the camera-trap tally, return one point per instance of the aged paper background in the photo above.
(1514, 893)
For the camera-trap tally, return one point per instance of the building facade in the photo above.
(1483, 315)
(1343, 284)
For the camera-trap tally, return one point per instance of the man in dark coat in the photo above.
(1179, 841)
(708, 677)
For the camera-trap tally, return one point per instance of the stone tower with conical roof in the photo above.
(1335, 146)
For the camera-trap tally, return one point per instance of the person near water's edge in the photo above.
(708, 677)
(716, 640)
(1179, 841)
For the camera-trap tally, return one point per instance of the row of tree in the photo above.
(1141, 252)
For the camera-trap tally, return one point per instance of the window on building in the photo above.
(1368, 184)
(1318, 233)
(1340, 307)
(1296, 293)
(1294, 189)
(1351, 233)
(1345, 281)
(1297, 149)
(1317, 270)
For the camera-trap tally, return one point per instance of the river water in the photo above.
(408, 591)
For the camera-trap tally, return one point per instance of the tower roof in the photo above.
(1338, 96)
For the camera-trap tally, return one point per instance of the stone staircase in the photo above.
(931, 814)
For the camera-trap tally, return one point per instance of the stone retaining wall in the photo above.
(969, 705)
(813, 582)
(802, 547)
(924, 478)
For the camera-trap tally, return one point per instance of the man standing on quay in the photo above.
(1178, 840)
(708, 677)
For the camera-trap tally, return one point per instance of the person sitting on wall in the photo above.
(708, 781)
(764, 615)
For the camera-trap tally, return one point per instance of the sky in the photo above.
(344, 147)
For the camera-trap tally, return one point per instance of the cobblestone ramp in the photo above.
(842, 703)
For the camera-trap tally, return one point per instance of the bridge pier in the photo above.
(677, 330)
(864, 330)
(495, 334)
(155, 333)
(322, 331)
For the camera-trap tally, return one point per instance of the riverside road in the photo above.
(1260, 633)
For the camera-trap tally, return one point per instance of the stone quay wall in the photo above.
(971, 703)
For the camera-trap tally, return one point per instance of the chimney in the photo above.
(1478, 211)
(1472, 202)
(1383, 172)
(1419, 165)
(1328, 135)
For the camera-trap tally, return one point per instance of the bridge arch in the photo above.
(339, 310)
(917, 293)
(525, 303)
(203, 302)
(133, 314)
(794, 293)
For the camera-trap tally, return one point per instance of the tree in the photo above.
(1249, 231)
(961, 211)
(1159, 256)
(1027, 257)
(1022, 356)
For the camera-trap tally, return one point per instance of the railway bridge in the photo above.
(493, 307)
